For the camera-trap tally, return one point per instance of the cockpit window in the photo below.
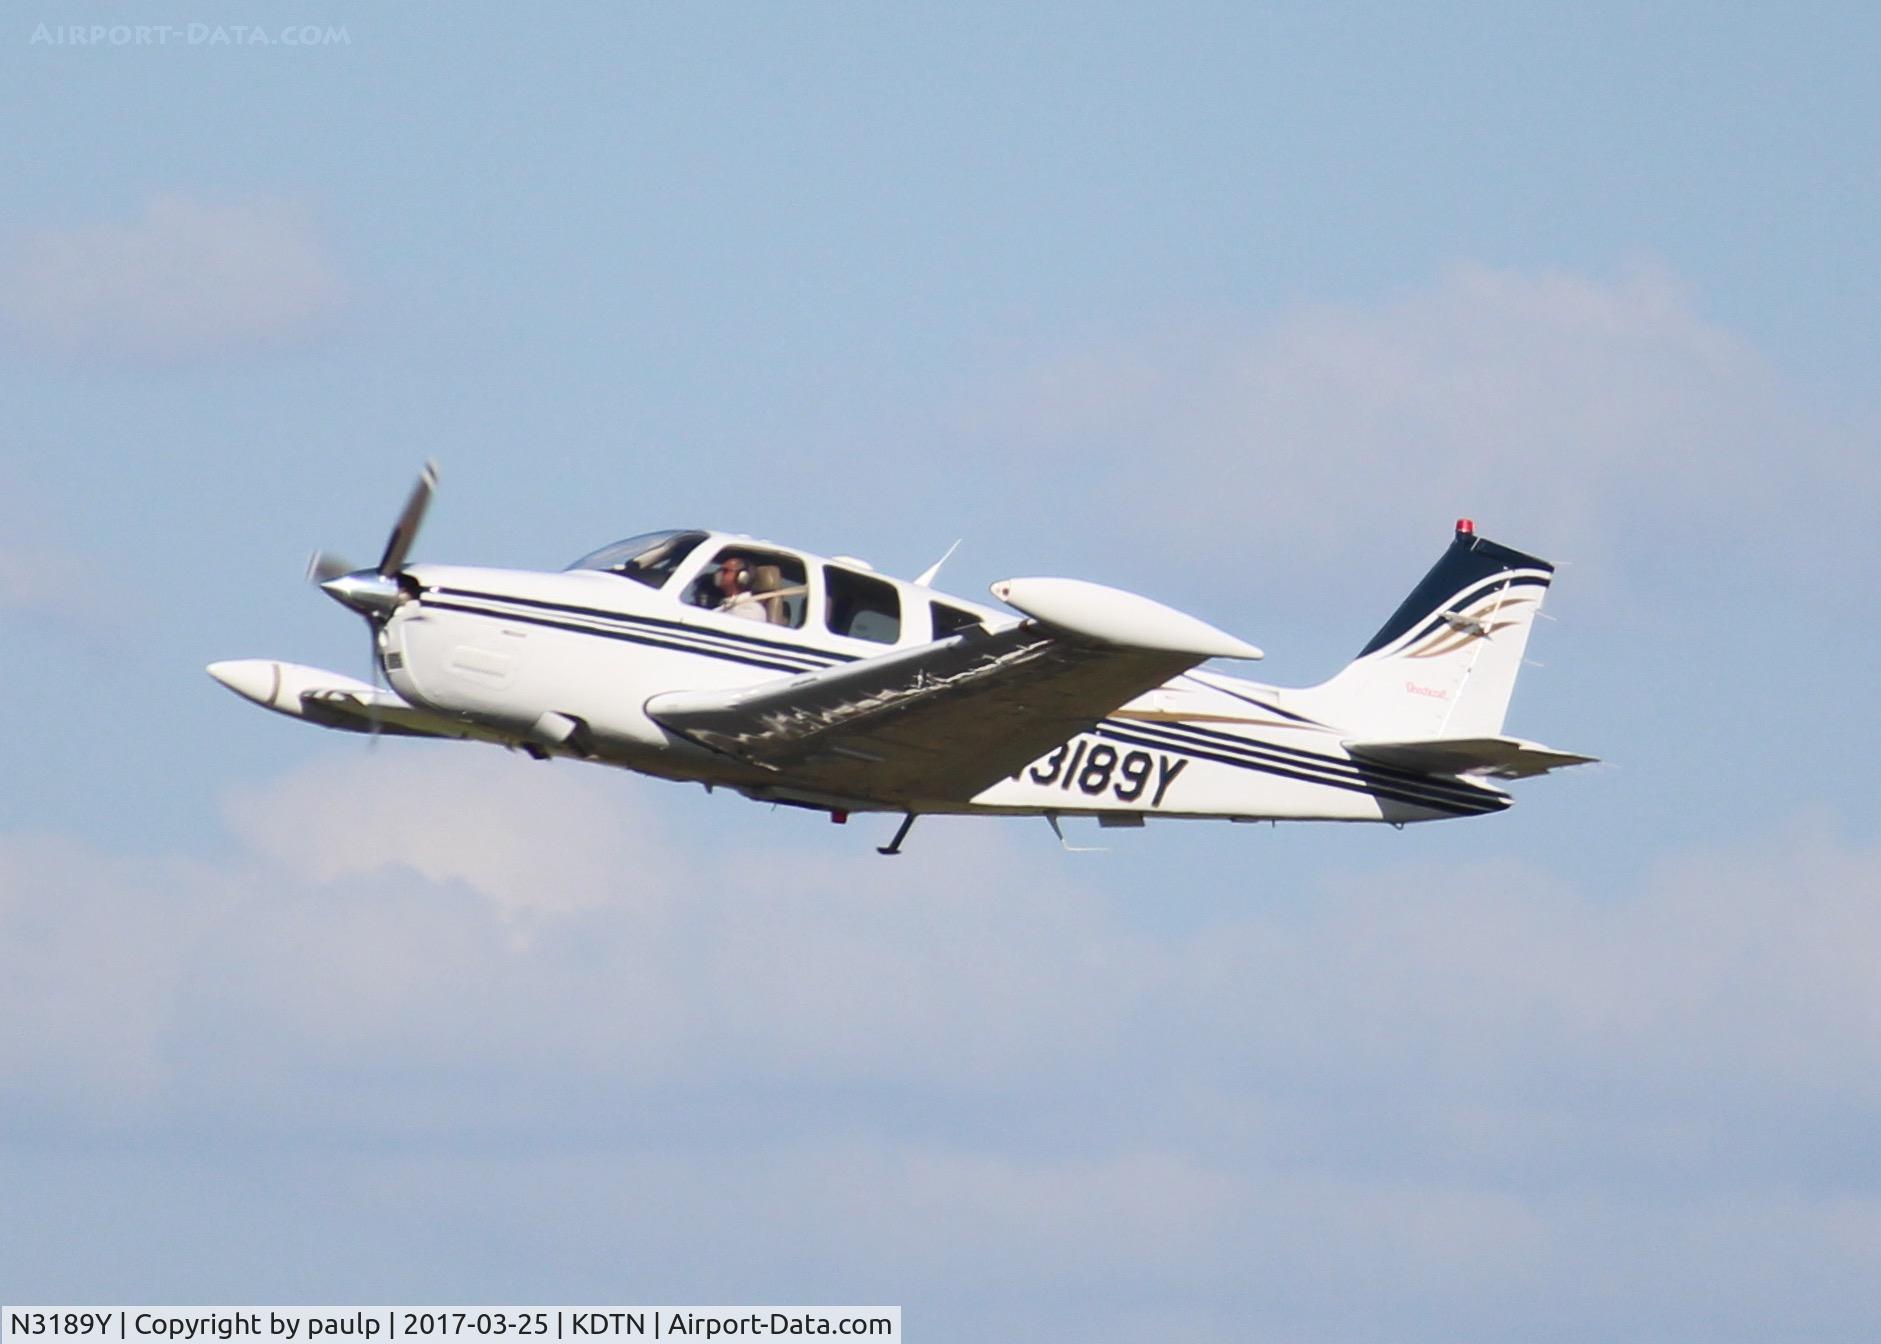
(952, 620)
(753, 583)
(862, 606)
(649, 558)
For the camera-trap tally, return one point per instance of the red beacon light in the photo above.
(1466, 527)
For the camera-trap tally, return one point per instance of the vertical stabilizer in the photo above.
(1444, 665)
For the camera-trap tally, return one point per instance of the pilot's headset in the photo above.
(744, 572)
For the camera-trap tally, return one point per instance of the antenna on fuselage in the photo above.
(1069, 848)
(927, 575)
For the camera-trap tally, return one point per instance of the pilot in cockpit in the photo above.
(733, 581)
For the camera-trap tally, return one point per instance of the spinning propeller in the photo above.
(377, 593)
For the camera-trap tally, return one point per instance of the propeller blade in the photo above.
(378, 683)
(323, 566)
(405, 531)
(377, 594)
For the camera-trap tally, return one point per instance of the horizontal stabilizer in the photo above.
(1497, 757)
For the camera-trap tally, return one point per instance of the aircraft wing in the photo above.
(334, 700)
(943, 721)
(1496, 757)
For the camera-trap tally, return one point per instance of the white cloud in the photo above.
(401, 874)
(186, 279)
(528, 839)
(805, 964)
(1463, 1088)
(1565, 413)
(93, 951)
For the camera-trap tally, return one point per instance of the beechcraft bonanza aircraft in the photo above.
(818, 683)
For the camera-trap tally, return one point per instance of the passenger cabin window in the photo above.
(755, 584)
(862, 607)
(649, 558)
(952, 620)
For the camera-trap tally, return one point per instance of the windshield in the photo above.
(649, 558)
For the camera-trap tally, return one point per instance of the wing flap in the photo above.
(1496, 757)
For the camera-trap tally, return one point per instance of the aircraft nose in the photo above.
(366, 591)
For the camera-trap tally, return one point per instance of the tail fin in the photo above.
(1444, 665)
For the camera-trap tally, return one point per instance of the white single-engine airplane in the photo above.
(793, 679)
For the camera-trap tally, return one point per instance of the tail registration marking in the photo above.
(1096, 768)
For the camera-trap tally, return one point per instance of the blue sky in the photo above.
(1237, 306)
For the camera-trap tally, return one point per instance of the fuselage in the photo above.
(565, 663)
